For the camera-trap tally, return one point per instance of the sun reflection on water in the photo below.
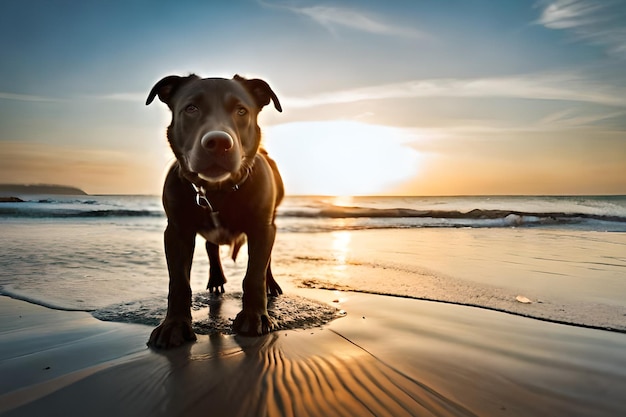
(341, 249)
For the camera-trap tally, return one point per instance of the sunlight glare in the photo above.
(341, 248)
(343, 201)
(342, 158)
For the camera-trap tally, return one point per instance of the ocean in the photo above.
(561, 259)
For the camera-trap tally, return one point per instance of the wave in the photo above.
(340, 218)
(509, 216)
(475, 214)
(17, 295)
(357, 218)
(311, 214)
(76, 213)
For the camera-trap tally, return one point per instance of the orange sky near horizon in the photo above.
(342, 165)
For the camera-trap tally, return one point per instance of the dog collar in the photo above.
(227, 185)
(203, 202)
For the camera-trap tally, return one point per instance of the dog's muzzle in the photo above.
(215, 157)
(217, 142)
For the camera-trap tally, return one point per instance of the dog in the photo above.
(223, 186)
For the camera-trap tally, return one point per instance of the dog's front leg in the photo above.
(254, 320)
(216, 273)
(176, 328)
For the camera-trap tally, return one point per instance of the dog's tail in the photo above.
(236, 245)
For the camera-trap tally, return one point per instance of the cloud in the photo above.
(26, 97)
(570, 118)
(128, 96)
(332, 17)
(542, 86)
(598, 22)
(136, 97)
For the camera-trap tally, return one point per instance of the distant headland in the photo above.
(8, 192)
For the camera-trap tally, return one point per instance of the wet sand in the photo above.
(388, 356)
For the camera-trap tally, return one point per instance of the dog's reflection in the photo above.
(223, 375)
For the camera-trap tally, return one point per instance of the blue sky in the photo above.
(379, 97)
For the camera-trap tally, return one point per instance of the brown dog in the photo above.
(222, 186)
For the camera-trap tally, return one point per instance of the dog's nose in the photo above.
(217, 141)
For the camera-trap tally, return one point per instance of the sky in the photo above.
(415, 97)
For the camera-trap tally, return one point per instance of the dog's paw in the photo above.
(171, 333)
(215, 288)
(273, 288)
(253, 324)
(216, 284)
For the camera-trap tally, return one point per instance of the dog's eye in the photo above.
(241, 111)
(190, 109)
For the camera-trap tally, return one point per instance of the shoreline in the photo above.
(387, 356)
(303, 289)
(483, 307)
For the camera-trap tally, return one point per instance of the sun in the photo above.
(341, 158)
(342, 200)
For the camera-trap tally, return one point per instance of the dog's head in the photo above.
(214, 132)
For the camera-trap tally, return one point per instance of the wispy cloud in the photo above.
(26, 97)
(135, 97)
(598, 22)
(576, 119)
(547, 86)
(333, 17)
(139, 97)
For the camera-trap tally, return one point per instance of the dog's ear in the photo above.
(260, 90)
(167, 86)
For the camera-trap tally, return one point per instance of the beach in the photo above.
(380, 316)
(386, 357)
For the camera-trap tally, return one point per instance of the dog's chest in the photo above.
(212, 227)
(219, 235)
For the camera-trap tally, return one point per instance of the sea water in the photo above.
(552, 258)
